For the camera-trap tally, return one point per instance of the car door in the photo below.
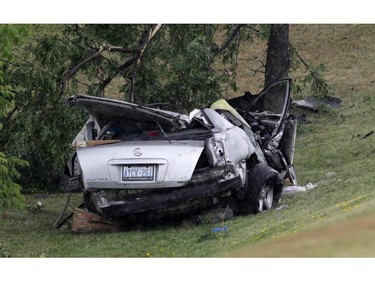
(276, 126)
(269, 108)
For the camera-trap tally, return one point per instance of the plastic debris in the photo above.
(330, 174)
(219, 229)
(282, 207)
(310, 186)
(292, 189)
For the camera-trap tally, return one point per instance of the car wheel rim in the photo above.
(265, 198)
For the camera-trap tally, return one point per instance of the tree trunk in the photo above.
(277, 63)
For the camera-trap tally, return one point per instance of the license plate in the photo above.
(138, 173)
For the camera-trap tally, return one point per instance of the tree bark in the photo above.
(277, 64)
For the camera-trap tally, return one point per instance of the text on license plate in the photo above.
(138, 173)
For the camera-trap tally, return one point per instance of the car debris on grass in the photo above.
(139, 163)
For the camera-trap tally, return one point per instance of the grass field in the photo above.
(334, 220)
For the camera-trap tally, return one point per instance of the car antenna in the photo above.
(164, 134)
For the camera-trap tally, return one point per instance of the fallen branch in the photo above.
(368, 134)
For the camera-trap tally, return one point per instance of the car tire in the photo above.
(264, 187)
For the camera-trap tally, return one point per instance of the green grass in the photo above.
(29, 233)
(330, 142)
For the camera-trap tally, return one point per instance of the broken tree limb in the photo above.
(368, 134)
(120, 49)
(77, 66)
(229, 40)
(141, 49)
(105, 47)
(110, 77)
(315, 75)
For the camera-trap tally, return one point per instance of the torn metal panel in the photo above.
(314, 103)
(203, 188)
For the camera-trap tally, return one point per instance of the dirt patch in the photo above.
(354, 238)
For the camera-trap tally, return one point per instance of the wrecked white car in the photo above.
(134, 161)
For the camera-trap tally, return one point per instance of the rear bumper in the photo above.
(167, 201)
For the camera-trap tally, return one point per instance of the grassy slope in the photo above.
(330, 143)
(333, 143)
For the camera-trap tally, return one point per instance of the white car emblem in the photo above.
(137, 152)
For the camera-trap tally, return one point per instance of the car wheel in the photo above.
(265, 198)
(264, 186)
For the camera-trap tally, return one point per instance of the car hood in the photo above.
(104, 109)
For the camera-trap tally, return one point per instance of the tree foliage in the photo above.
(184, 65)
(10, 191)
(314, 81)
